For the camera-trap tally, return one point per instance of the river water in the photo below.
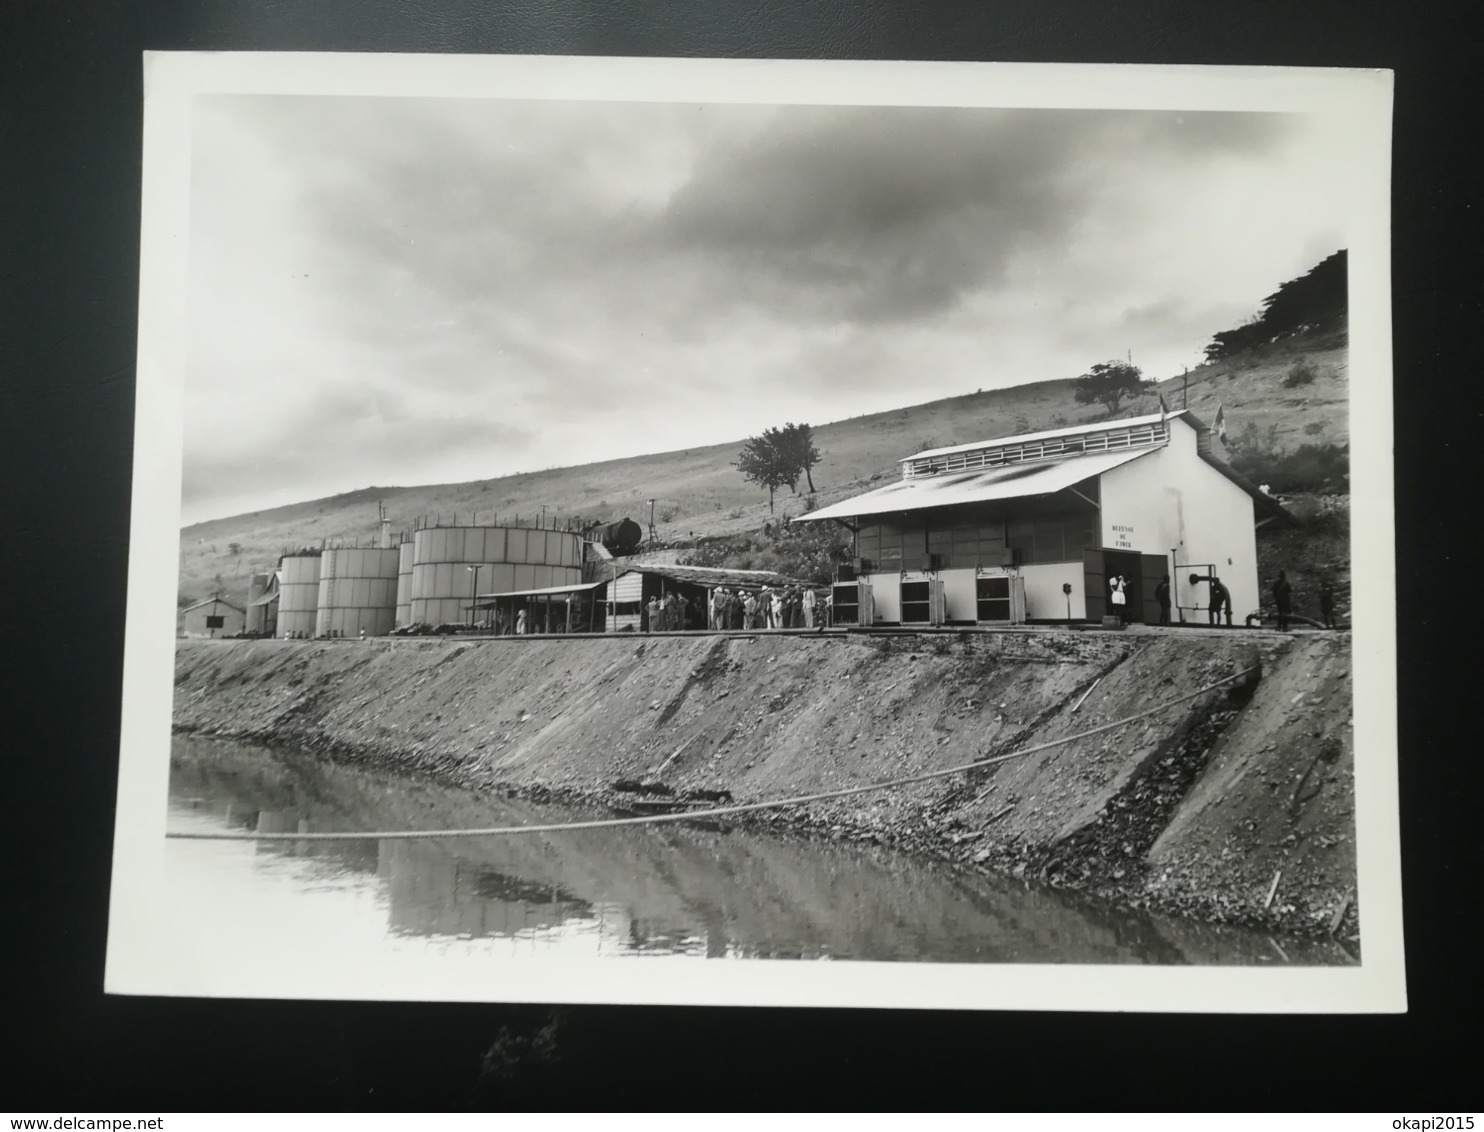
(673, 888)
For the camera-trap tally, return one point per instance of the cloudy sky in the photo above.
(406, 291)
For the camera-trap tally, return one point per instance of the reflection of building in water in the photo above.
(433, 893)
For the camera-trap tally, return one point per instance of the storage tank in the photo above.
(357, 592)
(298, 595)
(509, 558)
(404, 583)
(621, 538)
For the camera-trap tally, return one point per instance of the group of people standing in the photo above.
(668, 613)
(1283, 600)
(1220, 607)
(783, 607)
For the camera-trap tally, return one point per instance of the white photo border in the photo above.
(150, 942)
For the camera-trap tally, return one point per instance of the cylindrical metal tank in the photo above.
(622, 537)
(298, 595)
(404, 583)
(357, 592)
(509, 558)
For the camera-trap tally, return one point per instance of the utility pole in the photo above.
(1185, 390)
(651, 522)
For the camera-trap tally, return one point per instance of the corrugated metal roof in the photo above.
(1011, 481)
(267, 599)
(572, 589)
(1052, 434)
(716, 575)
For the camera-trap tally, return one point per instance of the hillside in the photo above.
(700, 495)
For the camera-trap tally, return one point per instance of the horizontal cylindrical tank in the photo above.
(508, 558)
(622, 537)
(298, 595)
(404, 583)
(357, 592)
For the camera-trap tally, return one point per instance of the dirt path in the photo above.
(1192, 811)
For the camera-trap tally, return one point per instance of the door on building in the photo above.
(1094, 584)
(1153, 567)
(1098, 566)
(1125, 564)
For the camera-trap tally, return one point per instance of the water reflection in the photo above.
(668, 889)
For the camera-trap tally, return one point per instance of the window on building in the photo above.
(218, 622)
(892, 545)
(1059, 538)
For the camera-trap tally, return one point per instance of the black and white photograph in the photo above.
(807, 534)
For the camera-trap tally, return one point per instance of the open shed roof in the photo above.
(486, 600)
(715, 575)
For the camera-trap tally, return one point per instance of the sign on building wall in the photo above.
(1123, 537)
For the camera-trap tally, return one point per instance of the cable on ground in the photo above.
(723, 811)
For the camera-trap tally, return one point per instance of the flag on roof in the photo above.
(1220, 426)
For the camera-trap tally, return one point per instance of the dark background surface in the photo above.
(70, 117)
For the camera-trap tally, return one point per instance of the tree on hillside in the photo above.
(1317, 299)
(1108, 383)
(796, 443)
(764, 463)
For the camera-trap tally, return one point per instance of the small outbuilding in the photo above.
(619, 600)
(262, 604)
(214, 617)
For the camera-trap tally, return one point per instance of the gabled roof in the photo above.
(213, 601)
(1011, 481)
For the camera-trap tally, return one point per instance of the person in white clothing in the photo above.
(1119, 597)
(809, 600)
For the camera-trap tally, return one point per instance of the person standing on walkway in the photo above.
(775, 607)
(1283, 599)
(653, 607)
(1162, 596)
(520, 623)
(1221, 599)
(1327, 601)
(749, 611)
(714, 621)
(808, 601)
(1118, 598)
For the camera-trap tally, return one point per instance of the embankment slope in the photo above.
(1191, 811)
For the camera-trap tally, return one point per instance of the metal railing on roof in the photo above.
(1052, 448)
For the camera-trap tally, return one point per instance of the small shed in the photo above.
(214, 617)
(694, 586)
(575, 608)
(262, 604)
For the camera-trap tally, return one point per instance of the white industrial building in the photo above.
(1033, 527)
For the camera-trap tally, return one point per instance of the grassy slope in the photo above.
(705, 496)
